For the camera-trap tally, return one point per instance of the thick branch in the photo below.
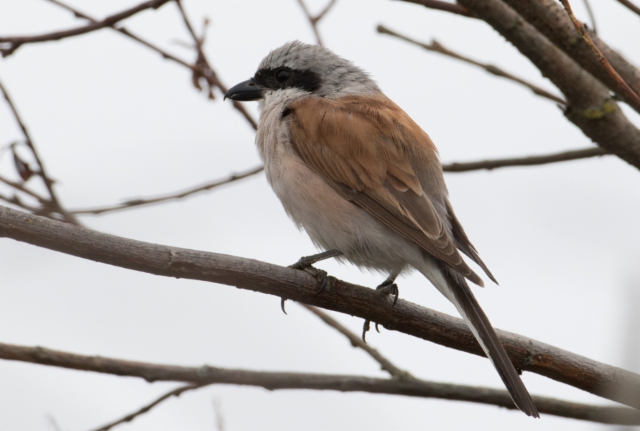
(169, 197)
(524, 161)
(435, 46)
(622, 87)
(16, 41)
(282, 380)
(551, 20)
(591, 107)
(527, 354)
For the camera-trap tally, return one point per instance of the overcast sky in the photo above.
(113, 120)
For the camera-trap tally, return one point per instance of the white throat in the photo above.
(277, 99)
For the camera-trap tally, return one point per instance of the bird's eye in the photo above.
(282, 76)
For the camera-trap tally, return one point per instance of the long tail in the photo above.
(456, 289)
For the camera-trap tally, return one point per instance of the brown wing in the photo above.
(363, 147)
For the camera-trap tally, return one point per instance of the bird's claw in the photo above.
(390, 289)
(321, 276)
(365, 328)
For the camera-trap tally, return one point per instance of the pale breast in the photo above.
(332, 222)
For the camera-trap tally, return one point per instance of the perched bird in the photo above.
(365, 181)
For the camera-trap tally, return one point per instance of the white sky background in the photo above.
(113, 120)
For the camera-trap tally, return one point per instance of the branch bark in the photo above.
(527, 354)
(590, 106)
(550, 19)
(206, 375)
(622, 88)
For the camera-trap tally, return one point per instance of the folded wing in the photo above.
(364, 148)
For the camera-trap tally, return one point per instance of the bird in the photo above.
(365, 182)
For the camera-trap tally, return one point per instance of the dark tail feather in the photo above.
(479, 324)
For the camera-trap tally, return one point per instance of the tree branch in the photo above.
(23, 189)
(314, 20)
(435, 46)
(447, 167)
(16, 41)
(549, 18)
(630, 6)
(525, 161)
(131, 416)
(590, 106)
(206, 375)
(443, 6)
(592, 17)
(132, 203)
(42, 173)
(356, 341)
(209, 75)
(622, 87)
(527, 354)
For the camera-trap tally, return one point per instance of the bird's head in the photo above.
(303, 69)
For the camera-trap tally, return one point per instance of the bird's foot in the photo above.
(306, 264)
(366, 327)
(306, 261)
(390, 288)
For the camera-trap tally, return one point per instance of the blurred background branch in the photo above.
(199, 377)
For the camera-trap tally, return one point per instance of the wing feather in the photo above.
(363, 149)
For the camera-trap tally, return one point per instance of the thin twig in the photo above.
(631, 6)
(443, 6)
(435, 46)
(206, 375)
(14, 200)
(623, 88)
(314, 20)
(48, 182)
(592, 17)
(212, 79)
(526, 354)
(449, 167)
(525, 161)
(16, 41)
(169, 197)
(217, 409)
(25, 190)
(131, 416)
(324, 11)
(207, 71)
(356, 341)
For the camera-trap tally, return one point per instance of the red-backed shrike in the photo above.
(363, 179)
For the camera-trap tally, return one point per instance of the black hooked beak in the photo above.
(245, 91)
